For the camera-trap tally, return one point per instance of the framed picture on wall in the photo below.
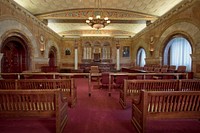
(67, 52)
(126, 51)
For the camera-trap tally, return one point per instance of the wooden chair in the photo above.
(150, 69)
(172, 68)
(156, 69)
(104, 81)
(165, 66)
(94, 70)
(164, 70)
(181, 69)
(118, 81)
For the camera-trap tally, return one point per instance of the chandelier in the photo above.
(98, 22)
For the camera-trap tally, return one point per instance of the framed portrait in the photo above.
(126, 51)
(67, 52)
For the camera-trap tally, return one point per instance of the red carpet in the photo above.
(97, 114)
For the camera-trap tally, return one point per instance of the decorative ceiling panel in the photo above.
(128, 17)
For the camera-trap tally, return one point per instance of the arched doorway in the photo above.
(15, 55)
(52, 66)
(52, 56)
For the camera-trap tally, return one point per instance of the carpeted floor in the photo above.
(97, 114)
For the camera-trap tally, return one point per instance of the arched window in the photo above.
(177, 52)
(141, 55)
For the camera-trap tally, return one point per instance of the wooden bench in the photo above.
(164, 105)
(66, 85)
(189, 84)
(132, 87)
(143, 76)
(34, 103)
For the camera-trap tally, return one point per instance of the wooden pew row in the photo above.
(133, 87)
(88, 75)
(164, 105)
(67, 86)
(143, 76)
(34, 103)
(51, 75)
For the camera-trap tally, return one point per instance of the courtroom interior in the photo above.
(100, 66)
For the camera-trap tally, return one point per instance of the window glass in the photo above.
(178, 52)
(141, 55)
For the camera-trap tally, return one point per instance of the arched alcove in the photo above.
(15, 55)
(52, 56)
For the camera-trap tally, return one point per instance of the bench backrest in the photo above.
(189, 84)
(29, 102)
(7, 84)
(32, 103)
(64, 84)
(176, 104)
(164, 105)
(135, 86)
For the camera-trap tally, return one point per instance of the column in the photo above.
(76, 55)
(118, 56)
(1, 55)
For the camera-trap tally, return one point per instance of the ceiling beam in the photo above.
(83, 21)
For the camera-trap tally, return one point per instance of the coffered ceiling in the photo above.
(67, 17)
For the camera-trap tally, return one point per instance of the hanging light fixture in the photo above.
(98, 22)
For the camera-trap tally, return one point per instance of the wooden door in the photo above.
(52, 59)
(15, 58)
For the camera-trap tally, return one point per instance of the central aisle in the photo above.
(98, 113)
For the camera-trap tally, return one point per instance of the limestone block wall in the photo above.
(184, 20)
(67, 61)
(16, 21)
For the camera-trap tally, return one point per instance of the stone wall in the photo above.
(16, 21)
(185, 20)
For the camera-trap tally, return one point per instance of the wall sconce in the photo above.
(151, 50)
(42, 51)
(117, 44)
